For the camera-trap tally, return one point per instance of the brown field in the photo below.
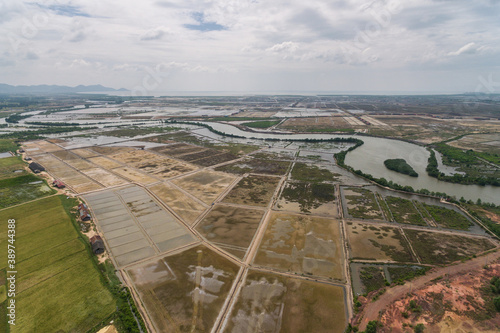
(177, 149)
(134, 175)
(255, 165)
(80, 164)
(215, 158)
(105, 162)
(255, 114)
(85, 153)
(68, 175)
(315, 123)
(164, 167)
(109, 150)
(303, 245)
(380, 243)
(439, 248)
(184, 292)
(104, 177)
(43, 146)
(65, 155)
(185, 206)
(230, 226)
(253, 190)
(361, 203)
(489, 143)
(273, 303)
(206, 185)
(132, 156)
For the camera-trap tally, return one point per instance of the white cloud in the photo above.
(470, 48)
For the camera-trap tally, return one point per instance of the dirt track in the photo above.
(371, 310)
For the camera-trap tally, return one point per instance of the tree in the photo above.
(419, 328)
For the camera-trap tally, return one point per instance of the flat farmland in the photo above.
(442, 248)
(105, 150)
(164, 167)
(380, 243)
(404, 211)
(274, 303)
(206, 185)
(305, 197)
(14, 191)
(184, 292)
(303, 245)
(177, 149)
(230, 227)
(267, 167)
(41, 146)
(79, 182)
(58, 288)
(84, 153)
(104, 177)
(135, 226)
(488, 143)
(105, 162)
(135, 175)
(12, 167)
(316, 123)
(253, 191)
(188, 208)
(361, 203)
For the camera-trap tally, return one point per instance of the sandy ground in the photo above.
(422, 285)
(108, 329)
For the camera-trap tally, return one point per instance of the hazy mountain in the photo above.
(53, 89)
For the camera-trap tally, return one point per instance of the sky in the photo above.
(254, 45)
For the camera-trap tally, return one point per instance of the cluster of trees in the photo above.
(400, 165)
(34, 135)
(14, 119)
(433, 171)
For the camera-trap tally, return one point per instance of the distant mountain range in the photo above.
(53, 89)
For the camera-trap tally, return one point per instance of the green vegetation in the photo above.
(136, 130)
(399, 274)
(256, 165)
(7, 145)
(448, 218)
(38, 133)
(16, 117)
(17, 190)
(58, 286)
(372, 326)
(372, 278)
(419, 328)
(362, 204)
(400, 165)
(262, 123)
(404, 211)
(12, 167)
(312, 173)
(308, 195)
(438, 249)
(467, 162)
(385, 208)
(495, 289)
(488, 214)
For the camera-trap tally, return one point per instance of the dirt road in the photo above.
(371, 310)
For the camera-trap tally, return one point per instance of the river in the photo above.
(370, 158)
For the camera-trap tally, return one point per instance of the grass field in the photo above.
(261, 123)
(308, 197)
(448, 218)
(268, 167)
(7, 145)
(9, 165)
(372, 278)
(439, 249)
(312, 173)
(404, 211)
(21, 189)
(369, 242)
(361, 203)
(253, 190)
(58, 287)
(273, 303)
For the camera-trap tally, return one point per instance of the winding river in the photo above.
(370, 158)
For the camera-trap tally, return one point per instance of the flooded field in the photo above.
(184, 205)
(305, 197)
(303, 245)
(442, 248)
(230, 227)
(361, 203)
(135, 226)
(184, 292)
(206, 185)
(379, 243)
(273, 303)
(253, 191)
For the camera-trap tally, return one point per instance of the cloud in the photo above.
(154, 34)
(65, 10)
(202, 24)
(469, 48)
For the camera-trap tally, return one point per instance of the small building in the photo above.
(97, 244)
(84, 212)
(27, 158)
(36, 168)
(59, 184)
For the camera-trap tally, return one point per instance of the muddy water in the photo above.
(370, 158)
